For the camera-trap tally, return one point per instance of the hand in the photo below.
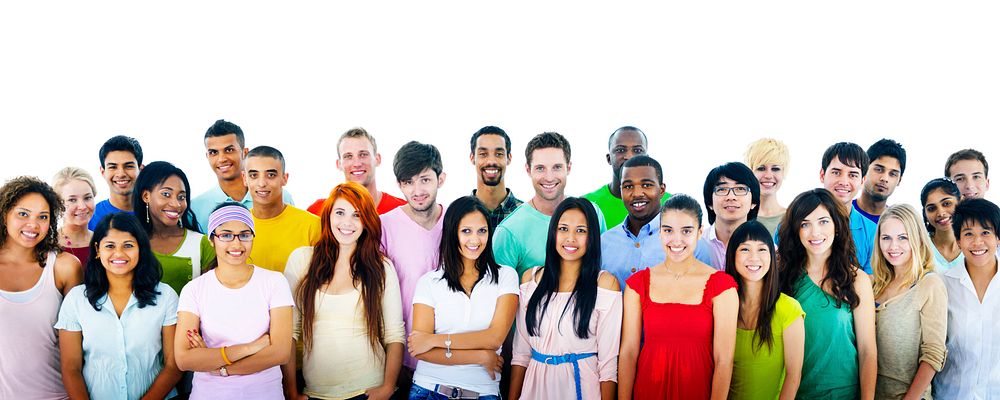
(419, 343)
(195, 340)
(492, 362)
(381, 392)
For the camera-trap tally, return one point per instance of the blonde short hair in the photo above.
(766, 151)
(69, 174)
(921, 256)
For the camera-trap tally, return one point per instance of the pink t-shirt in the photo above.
(236, 316)
(414, 252)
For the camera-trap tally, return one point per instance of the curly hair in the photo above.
(17, 188)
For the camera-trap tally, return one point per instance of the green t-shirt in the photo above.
(830, 362)
(612, 208)
(187, 261)
(760, 374)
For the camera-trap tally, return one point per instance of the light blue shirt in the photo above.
(942, 263)
(973, 343)
(121, 356)
(624, 254)
(205, 203)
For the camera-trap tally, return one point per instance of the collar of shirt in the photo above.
(650, 229)
(961, 274)
(218, 193)
(106, 304)
(507, 205)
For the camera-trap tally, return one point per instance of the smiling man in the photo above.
(888, 161)
(970, 171)
(357, 158)
(225, 150)
(624, 143)
(121, 160)
(842, 172)
(732, 197)
(279, 228)
(490, 154)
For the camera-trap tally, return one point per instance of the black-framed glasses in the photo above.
(229, 237)
(737, 190)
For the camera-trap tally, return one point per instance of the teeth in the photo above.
(491, 170)
(235, 253)
(119, 262)
(570, 248)
(30, 234)
(472, 248)
(358, 173)
(977, 252)
(346, 232)
(640, 204)
(676, 249)
(548, 186)
(817, 242)
(767, 184)
(171, 214)
(943, 221)
(754, 268)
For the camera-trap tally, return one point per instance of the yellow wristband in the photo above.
(224, 358)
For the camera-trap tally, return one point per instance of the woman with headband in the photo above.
(234, 322)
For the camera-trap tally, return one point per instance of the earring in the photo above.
(147, 214)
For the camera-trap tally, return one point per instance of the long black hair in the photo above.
(147, 273)
(584, 292)
(154, 175)
(771, 285)
(841, 267)
(946, 185)
(451, 253)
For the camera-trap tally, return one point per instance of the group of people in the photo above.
(624, 292)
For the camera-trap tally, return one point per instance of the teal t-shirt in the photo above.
(830, 362)
(613, 208)
(759, 373)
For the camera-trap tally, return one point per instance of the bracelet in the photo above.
(224, 358)
(447, 345)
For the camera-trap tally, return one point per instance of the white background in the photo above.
(702, 79)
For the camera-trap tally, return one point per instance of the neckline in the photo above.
(649, 285)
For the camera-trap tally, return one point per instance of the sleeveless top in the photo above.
(29, 355)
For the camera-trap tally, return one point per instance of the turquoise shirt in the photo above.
(942, 263)
(121, 356)
(830, 361)
(204, 204)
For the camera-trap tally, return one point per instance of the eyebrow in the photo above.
(683, 227)
(269, 170)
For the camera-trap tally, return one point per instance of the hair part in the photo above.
(850, 154)
(921, 256)
(146, 275)
(771, 283)
(742, 175)
(413, 158)
(450, 250)
(890, 148)
(223, 128)
(683, 203)
(966, 154)
(547, 140)
(121, 143)
(12, 192)
(944, 184)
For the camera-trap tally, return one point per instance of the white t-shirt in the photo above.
(454, 312)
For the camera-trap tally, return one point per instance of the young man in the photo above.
(888, 161)
(970, 171)
(490, 154)
(842, 171)
(411, 234)
(280, 228)
(357, 158)
(634, 245)
(225, 150)
(624, 143)
(121, 161)
(732, 197)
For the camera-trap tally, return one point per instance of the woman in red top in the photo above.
(684, 312)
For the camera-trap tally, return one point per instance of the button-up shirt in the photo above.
(505, 208)
(714, 248)
(624, 254)
(970, 372)
(122, 356)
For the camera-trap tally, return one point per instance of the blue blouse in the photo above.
(121, 356)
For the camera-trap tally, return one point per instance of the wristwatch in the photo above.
(223, 372)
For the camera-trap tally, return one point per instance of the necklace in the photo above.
(676, 275)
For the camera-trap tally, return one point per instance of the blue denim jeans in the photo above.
(419, 393)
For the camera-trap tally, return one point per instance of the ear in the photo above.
(339, 165)
(284, 179)
(141, 166)
(246, 150)
(472, 158)
(145, 197)
(378, 160)
(822, 175)
(608, 158)
(441, 179)
(569, 167)
(243, 174)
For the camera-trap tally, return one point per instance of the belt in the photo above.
(455, 392)
(563, 359)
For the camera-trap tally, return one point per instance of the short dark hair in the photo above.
(966, 154)
(489, 130)
(415, 157)
(982, 211)
(684, 203)
(147, 273)
(848, 153)
(946, 185)
(223, 128)
(627, 128)
(267, 151)
(738, 172)
(121, 143)
(645, 161)
(547, 140)
(891, 148)
(155, 174)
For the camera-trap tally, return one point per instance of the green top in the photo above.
(759, 373)
(187, 261)
(612, 207)
(830, 365)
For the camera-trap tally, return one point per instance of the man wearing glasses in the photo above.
(732, 197)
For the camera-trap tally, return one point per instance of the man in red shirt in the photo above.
(357, 157)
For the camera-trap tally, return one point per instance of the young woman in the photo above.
(116, 331)
(911, 307)
(161, 203)
(76, 189)
(819, 269)
(683, 313)
(234, 323)
(938, 199)
(768, 158)
(348, 312)
(34, 276)
(732, 196)
(770, 335)
(462, 311)
(973, 307)
(569, 322)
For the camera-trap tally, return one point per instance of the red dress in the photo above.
(676, 360)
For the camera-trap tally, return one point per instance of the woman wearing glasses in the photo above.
(234, 323)
(732, 195)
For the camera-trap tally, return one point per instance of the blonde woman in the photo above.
(76, 189)
(911, 312)
(768, 158)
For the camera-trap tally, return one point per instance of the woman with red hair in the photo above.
(348, 313)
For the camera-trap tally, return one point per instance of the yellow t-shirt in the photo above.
(276, 238)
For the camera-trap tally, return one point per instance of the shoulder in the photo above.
(530, 274)
(76, 293)
(786, 305)
(166, 292)
(67, 268)
(607, 280)
(431, 277)
(721, 281)
(506, 273)
(597, 194)
(296, 213)
(932, 282)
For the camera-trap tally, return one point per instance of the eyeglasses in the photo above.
(229, 237)
(737, 190)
